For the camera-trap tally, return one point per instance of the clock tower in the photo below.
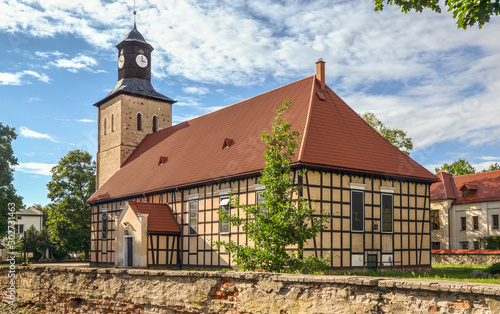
(132, 110)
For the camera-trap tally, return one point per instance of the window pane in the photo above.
(435, 220)
(261, 201)
(386, 213)
(193, 217)
(357, 211)
(224, 205)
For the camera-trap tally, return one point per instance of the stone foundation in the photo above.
(91, 290)
(465, 257)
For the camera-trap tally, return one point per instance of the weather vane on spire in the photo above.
(134, 14)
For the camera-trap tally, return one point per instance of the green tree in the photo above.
(8, 193)
(33, 242)
(72, 183)
(282, 221)
(458, 168)
(492, 167)
(466, 12)
(396, 137)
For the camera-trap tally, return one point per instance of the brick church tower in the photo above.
(132, 109)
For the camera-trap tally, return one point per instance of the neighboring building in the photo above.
(160, 186)
(28, 217)
(464, 208)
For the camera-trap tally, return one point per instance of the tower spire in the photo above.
(135, 12)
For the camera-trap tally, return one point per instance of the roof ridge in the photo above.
(477, 173)
(308, 120)
(244, 100)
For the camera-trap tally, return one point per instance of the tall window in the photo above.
(260, 201)
(104, 126)
(463, 223)
(155, 124)
(112, 123)
(193, 217)
(139, 121)
(495, 221)
(475, 222)
(435, 219)
(357, 211)
(387, 212)
(104, 224)
(224, 205)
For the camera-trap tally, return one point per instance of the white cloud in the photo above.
(195, 90)
(33, 134)
(35, 167)
(85, 120)
(19, 77)
(416, 71)
(78, 63)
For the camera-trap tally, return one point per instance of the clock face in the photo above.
(141, 61)
(121, 61)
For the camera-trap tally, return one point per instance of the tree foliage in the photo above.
(396, 137)
(458, 168)
(68, 216)
(37, 241)
(492, 167)
(8, 193)
(284, 220)
(465, 12)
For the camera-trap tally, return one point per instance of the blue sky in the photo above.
(414, 71)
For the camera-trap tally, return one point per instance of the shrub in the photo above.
(494, 269)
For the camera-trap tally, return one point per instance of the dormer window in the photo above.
(468, 190)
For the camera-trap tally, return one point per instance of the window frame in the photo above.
(261, 202)
(154, 121)
(226, 207)
(105, 217)
(475, 222)
(433, 245)
(464, 245)
(193, 216)
(139, 121)
(463, 223)
(362, 210)
(494, 222)
(382, 212)
(435, 225)
(18, 227)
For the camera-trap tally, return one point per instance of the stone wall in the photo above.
(466, 257)
(91, 290)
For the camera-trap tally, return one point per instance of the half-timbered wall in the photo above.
(407, 244)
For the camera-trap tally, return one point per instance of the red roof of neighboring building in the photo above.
(160, 217)
(332, 135)
(485, 187)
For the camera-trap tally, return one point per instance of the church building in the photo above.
(160, 186)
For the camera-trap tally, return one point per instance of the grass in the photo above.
(438, 272)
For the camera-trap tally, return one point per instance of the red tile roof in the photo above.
(160, 217)
(332, 135)
(485, 184)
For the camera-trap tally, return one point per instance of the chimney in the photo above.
(320, 72)
(444, 170)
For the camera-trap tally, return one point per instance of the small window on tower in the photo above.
(139, 121)
(155, 124)
(112, 123)
(104, 126)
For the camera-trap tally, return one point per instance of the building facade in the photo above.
(28, 217)
(464, 209)
(157, 204)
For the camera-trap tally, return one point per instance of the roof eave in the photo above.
(120, 92)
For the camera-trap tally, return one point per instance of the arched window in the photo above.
(112, 123)
(104, 126)
(155, 124)
(139, 121)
